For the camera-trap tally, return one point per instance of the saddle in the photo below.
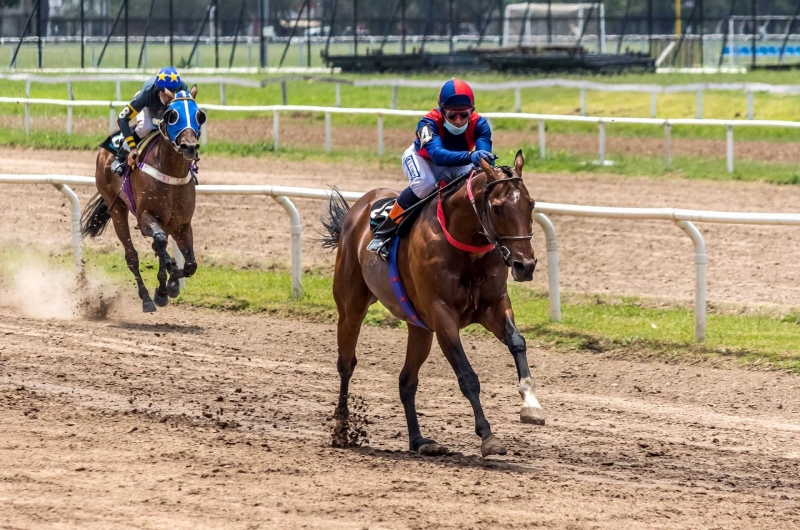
(379, 210)
(116, 141)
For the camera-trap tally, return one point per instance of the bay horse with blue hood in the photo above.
(449, 271)
(159, 191)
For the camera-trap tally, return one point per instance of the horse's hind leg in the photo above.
(450, 342)
(151, 228)
(185, 241)
(119, 215)
(417, 351)
(353, 298)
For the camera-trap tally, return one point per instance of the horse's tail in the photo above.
(95, 217)
(334, 221)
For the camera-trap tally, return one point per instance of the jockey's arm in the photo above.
(128, 113)
(483, 136)
(432, 142)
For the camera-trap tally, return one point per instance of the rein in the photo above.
(495, 241)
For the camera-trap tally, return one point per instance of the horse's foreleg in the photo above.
(499, 319)
(119, 216)
(450, 342)
(417, 351)
(185, 241)
(151, 228)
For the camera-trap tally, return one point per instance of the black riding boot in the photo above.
(118, 165)
(382, 237)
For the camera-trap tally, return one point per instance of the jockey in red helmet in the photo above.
(450, 140)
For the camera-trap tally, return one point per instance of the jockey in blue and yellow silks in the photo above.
(450, 140)
(149, 103)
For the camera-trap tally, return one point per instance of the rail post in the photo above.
(296, 229)
(554, 290)
(327, 133)
(729, 148)
(27, 107)
(699, 104)
(542, 140)
(222, 99)
(394, 97)
(75, 207)
(653, 100)
(517, 100)
(338, 94)
(667, 145)
(601, 140)
(750, 105)
(276, 125)
(380, 134)
(583, 102)
(700, 285)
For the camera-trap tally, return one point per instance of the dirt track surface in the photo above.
(747, 265)
(193, 419)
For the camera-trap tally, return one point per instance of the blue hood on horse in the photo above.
(183, 113)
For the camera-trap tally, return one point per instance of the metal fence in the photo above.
(683, 219)
(702, 32)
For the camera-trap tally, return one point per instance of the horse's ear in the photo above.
(488, 170)
(519, 162)
(193, 91)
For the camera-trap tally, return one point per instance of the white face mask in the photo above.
(455, 130)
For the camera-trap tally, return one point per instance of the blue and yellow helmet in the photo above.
(169, 78)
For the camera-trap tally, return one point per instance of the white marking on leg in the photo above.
(526, 391)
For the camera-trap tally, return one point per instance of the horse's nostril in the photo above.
(518, 265)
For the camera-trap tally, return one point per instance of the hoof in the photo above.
(492, 446)
(433, 449)
(161, 301)
(148, 307)
(173, 288)
(531, 415)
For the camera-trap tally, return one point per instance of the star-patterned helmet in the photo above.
(169, 78)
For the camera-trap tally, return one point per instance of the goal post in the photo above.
(534, 23)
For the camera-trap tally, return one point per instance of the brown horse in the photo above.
(161, 209)
(448, 287)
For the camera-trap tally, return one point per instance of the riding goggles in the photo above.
(463, 114)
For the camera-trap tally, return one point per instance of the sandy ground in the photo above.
(193, 419)
(747, 265)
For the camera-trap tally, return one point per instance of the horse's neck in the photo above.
(167, 160)
(462, 222)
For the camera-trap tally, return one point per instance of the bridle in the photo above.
(488, 227)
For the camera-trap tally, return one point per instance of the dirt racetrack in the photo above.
(193, 419)
(747, 264)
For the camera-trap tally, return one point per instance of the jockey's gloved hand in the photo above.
(475, 157)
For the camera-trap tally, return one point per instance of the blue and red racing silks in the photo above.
(443, 148)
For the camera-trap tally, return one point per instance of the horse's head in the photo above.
(508, 216)
(181, 123)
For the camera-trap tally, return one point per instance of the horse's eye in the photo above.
(497, 209)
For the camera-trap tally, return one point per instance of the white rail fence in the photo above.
(684, 219)
(601, 122)
(750, 89)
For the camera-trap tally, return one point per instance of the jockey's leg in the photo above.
(119, 216)
(498, 318)
(150, 228)
(422, 182)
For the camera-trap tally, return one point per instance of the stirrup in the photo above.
(118, 167)
(380, 246)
